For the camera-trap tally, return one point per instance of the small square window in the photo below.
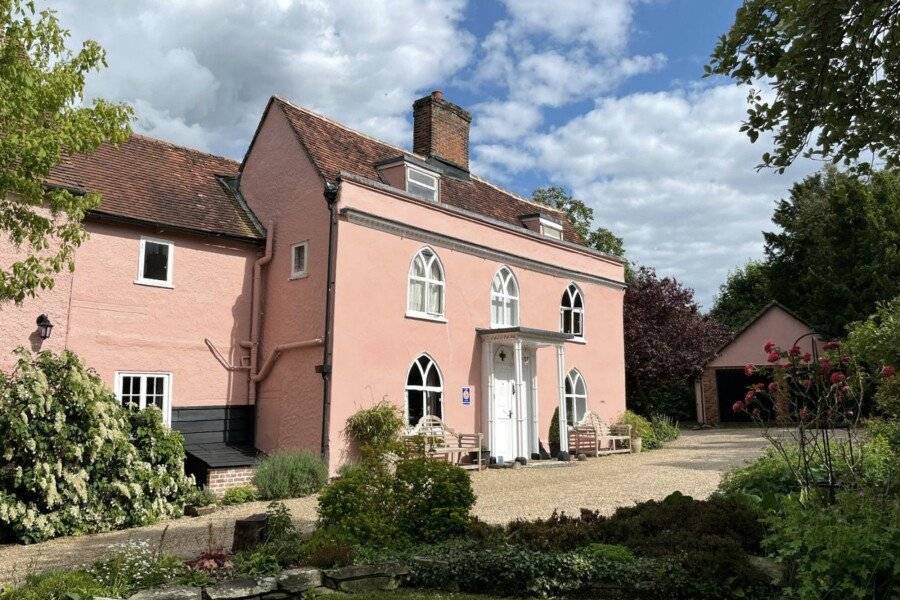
(421, 184)
(155, 262)
(138, 391)
(299, 257)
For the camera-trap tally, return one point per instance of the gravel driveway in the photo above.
(692, 464)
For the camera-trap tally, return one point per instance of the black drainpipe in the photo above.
(331, 197)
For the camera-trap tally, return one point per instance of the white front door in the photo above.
(504, 442)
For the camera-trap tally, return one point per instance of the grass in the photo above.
(424, 595)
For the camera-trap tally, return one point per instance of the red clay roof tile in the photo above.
(155, 181)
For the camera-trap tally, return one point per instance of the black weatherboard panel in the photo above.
(211, 424)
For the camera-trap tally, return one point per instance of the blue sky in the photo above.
(604, 97)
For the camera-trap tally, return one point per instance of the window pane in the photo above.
(418, 266)
(417, 295)
(156, 261)
(513, 313)
(576, 323)
(497, 310)
(156, 391)
(414, 406)
(577, 300)
(579, 408)
(436, 271)
(566, 300)
(570, 413)
(131, 392)
(435, 299)
(567, 321)
(579, 386)
(300, 259)
(433, 406)
(511, 287)
(432, 377)
(421, 191)
(422, 178)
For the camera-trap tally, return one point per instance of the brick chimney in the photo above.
(441, 130)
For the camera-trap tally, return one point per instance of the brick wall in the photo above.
(441, 129)
(220, 480)
(710, 395)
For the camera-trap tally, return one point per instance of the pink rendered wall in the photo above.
(117, 325)
(375, 343)
(775, 325)
(281, 186)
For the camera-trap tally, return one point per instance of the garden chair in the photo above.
(441, 440)
(594, 437)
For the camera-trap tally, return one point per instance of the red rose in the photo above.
(737, 406)
(807, 357)
(773, 357)
(795, 351)
(748, 397)
(825, 365)
(769, 346)
(887, 371)
(832, 345)
(837, 377)
(773, 388)
(749, 370)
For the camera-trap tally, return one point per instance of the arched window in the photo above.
(426, 285)
(571, 311)
(576, 397)
(424, 390)
(504, 299)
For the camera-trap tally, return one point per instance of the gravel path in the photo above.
(692, 464)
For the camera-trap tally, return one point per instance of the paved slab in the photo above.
(693, 464)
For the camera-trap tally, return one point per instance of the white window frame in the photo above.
(505, 297)
(300, 274)
(424, 388)
(436, 187)
(572, 378)
(170, 263)
(570, 294)
(429, 284)
(142, 403)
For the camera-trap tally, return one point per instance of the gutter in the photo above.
(331, 195)
(256, 318)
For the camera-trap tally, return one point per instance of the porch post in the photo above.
(563, 421)
(521, 422)
(487, 395)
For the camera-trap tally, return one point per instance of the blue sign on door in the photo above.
(466, 395)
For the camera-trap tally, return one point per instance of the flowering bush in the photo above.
(135, 565)
(74, 461)
(821, 399)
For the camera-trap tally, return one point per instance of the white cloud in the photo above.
(671, 174)
(201, 71)
(604, 24)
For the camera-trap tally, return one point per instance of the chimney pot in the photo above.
(441, 130)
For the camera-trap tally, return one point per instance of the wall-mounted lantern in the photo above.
(45, 327)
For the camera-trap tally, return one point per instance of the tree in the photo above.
(42, 119)
(834, 66)
(667, 340)
(837, 253)
(746, 291)
(582, 218)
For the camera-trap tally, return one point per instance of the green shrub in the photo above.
(328, 548)
(290, 475)
(424, 500)
(553, 437)
(887, 398)
(517, 571)
(281, 547)
(74, 461)
(376, 429)
(57, 585)
(664, 429)
(433, 498)
(611, 552)
(134, 566)
(846, 550)
(240, 495)
(640, 427)
(766, 480)
(360, 505)
(198, 496)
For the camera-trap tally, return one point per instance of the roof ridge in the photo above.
(405, 151)
(181, 147)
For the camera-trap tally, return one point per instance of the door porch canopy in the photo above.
(520, 338)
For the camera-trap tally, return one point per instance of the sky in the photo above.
(603, 97)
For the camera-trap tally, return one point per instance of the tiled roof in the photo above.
(150, 180)
(334, 148)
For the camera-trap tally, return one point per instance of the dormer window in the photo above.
(421, 184)
(543, 224)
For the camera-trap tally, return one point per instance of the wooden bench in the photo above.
(440, 440)
(594, 437)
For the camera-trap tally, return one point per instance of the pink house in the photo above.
(260, 304)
